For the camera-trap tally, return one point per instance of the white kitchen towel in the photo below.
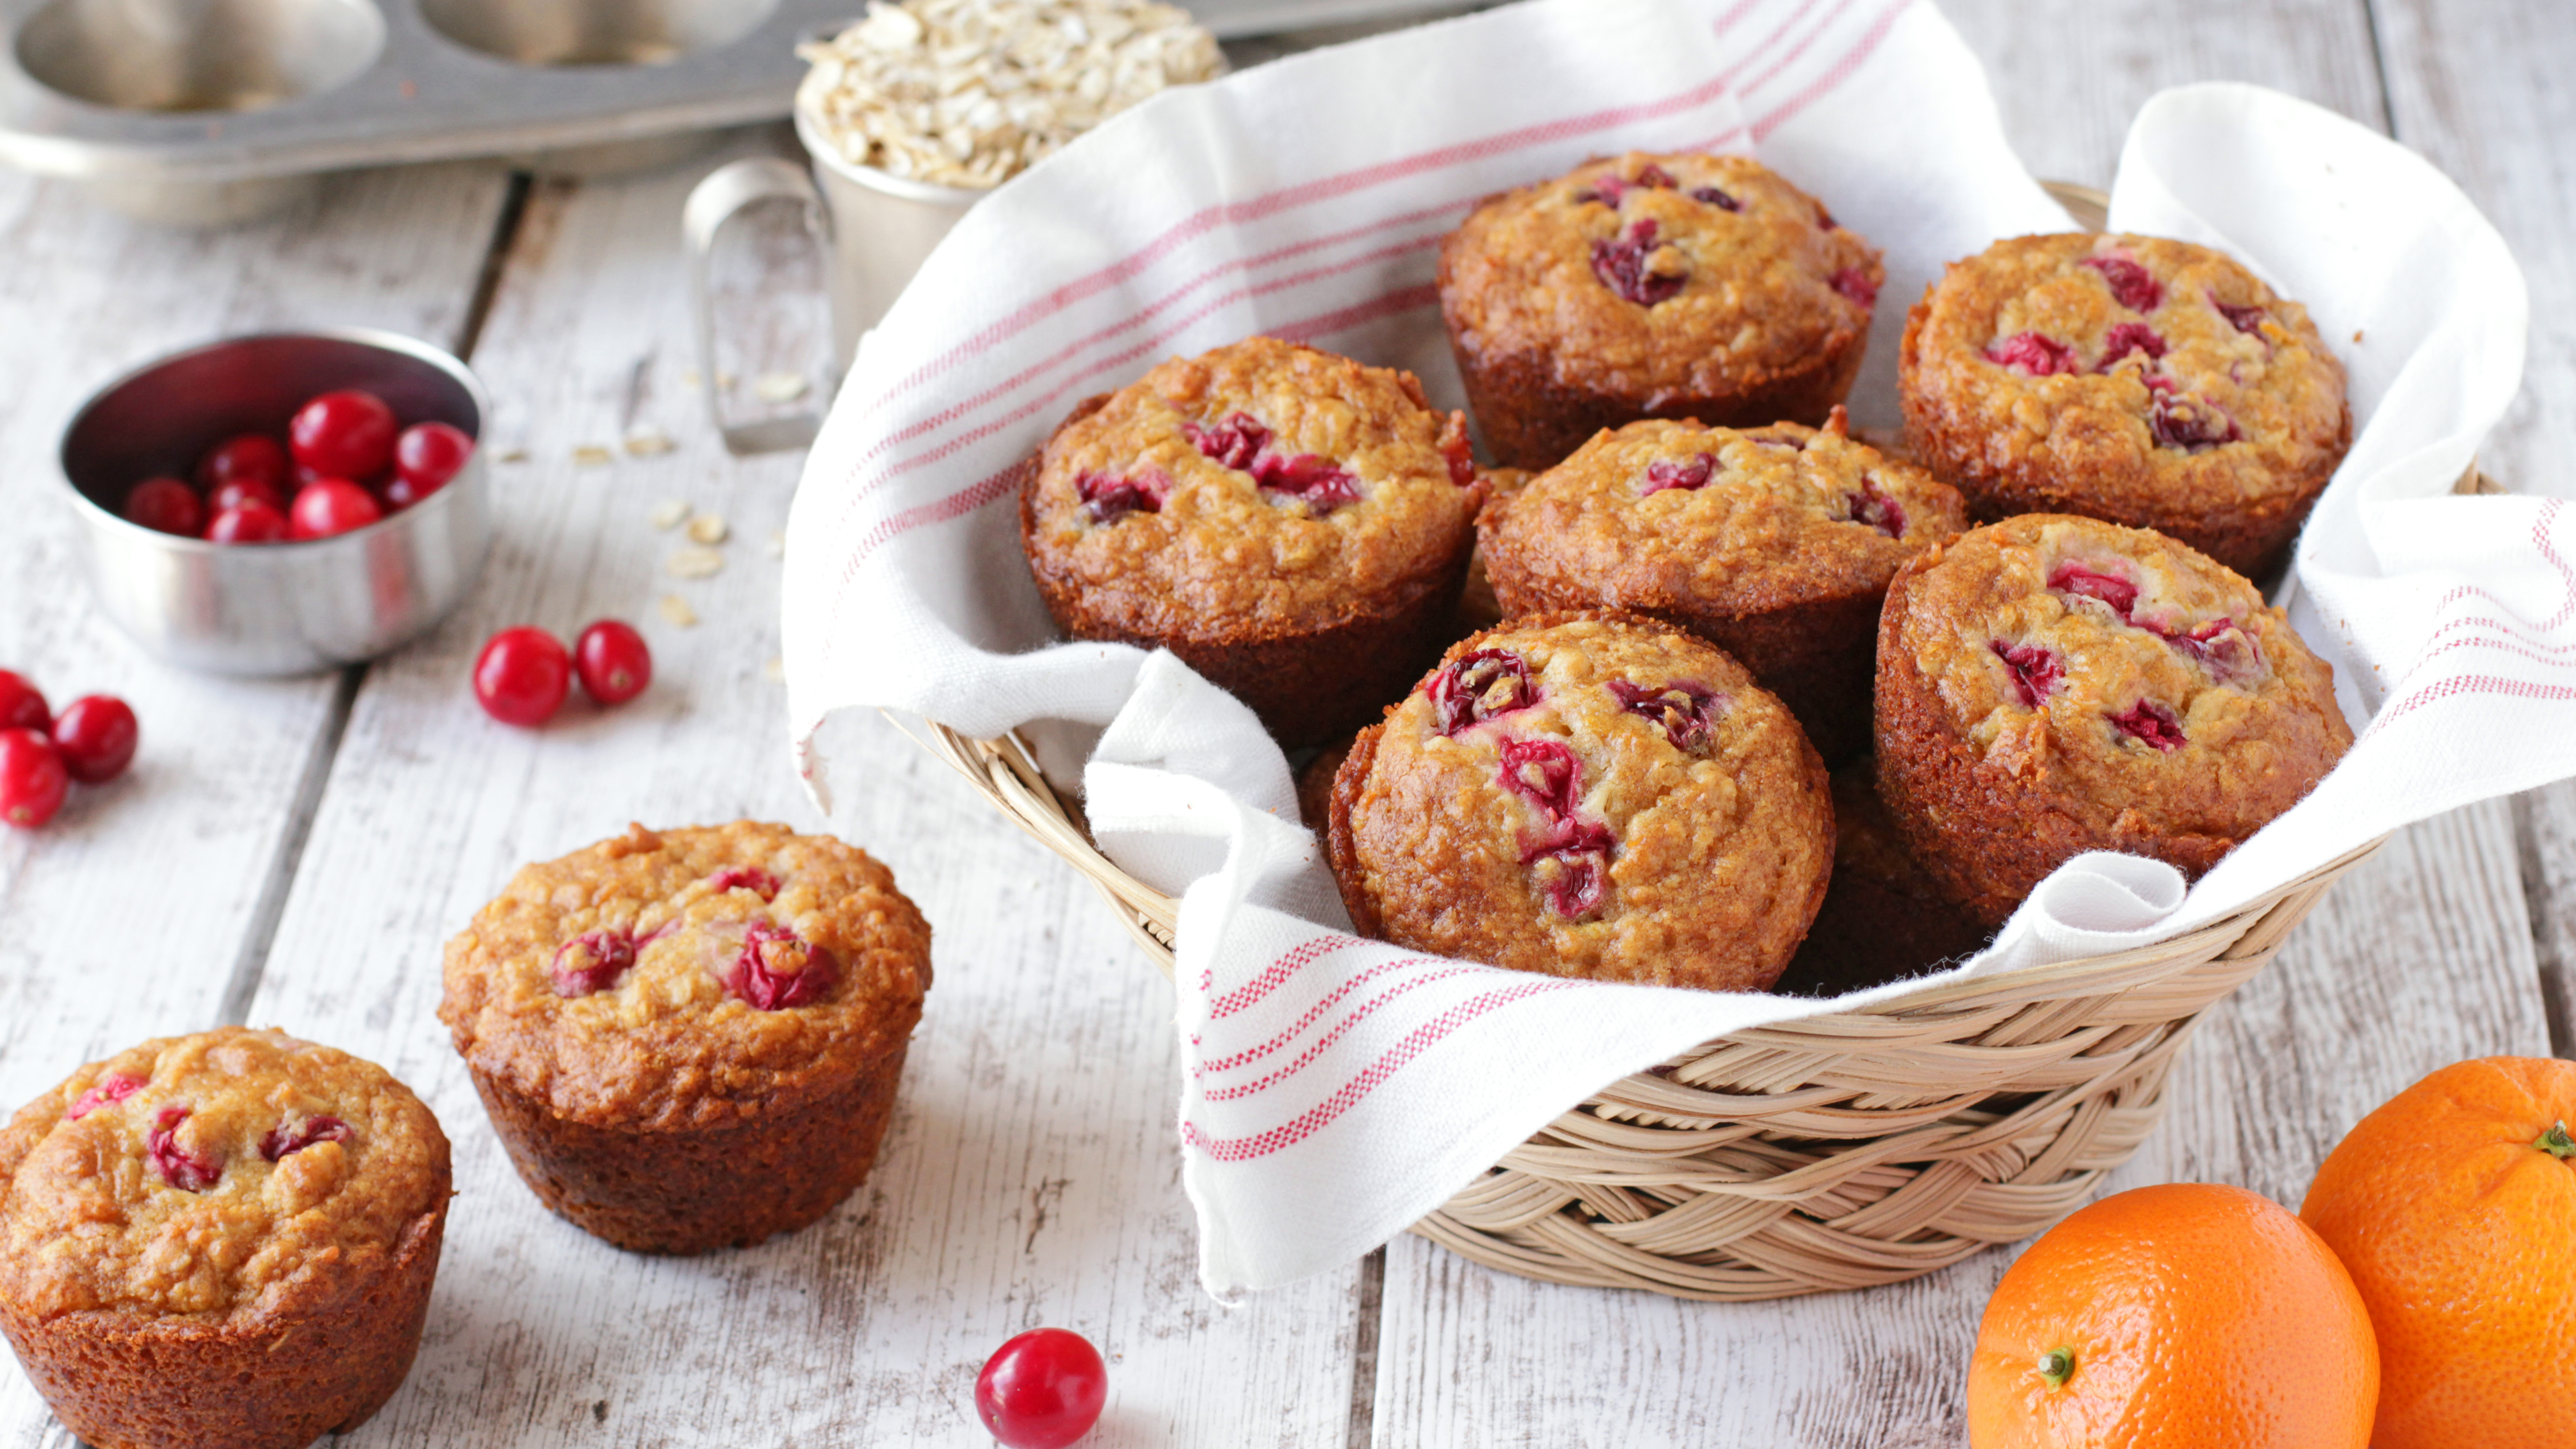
(1336, 1089)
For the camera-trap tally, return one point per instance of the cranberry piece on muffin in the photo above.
(225, 1241)
(2141, 381)
(1292, 524)
(1775, 544)
(1592, 795)
(2050, 685)
(1640, 286)
(690, 1039)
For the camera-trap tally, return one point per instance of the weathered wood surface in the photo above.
(1031, 1175)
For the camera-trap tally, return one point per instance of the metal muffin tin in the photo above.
(213, 110)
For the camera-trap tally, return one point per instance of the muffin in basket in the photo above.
(2050, 685)
(1294, 525)
(1775, 544)
(221, 1241)
(2141, 381)
(1700, 287)
(1883, 919)
(690, 1039)
(1587, 794)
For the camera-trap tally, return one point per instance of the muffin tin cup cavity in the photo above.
(594, 32)
(286, 608)
(199, 55)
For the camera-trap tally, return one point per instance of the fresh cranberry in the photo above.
(232, 495)
(2085, 583)
(741, 877)
(1112, 498)
(591, 961)
(95, 735)
(248, 522)
(247, 458)
(2034, 354)
(1717, 198)
(33, 780)
(285, 1139)
(1483, 685)
(2035, 671)
(2195, 425)
(1323, 484)
(108, 1090)
(428, 454)
(2248, 320)
(2131, 286)
(779, 969)
(347, 434)
(1042, 1390)
(1855, 285)
(2152, 723)
(166, 505)
(1685, 710)
(1621, 266)
(331, 507)
(2130, 337)
(613, 662)
(1234, 443)
(521, 676)
(1871, 507)
(22, 705)
(1545, 773)
(181, 1168)
(1684, 473)
(1573, 857)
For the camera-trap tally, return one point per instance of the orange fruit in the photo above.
(2188, 1316)
(2454, 1205)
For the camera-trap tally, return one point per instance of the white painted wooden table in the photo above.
(295, 853)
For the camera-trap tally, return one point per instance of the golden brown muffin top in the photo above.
(1648, 275)
(2120, 668)
(1590, 795)
(2155, 371)
(231, 1173)
(1661, 515)
(1263, 486)
(689, 977)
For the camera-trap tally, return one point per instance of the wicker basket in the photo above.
(1834, 1152)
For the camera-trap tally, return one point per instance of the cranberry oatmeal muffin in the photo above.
(690, 1038)
(1774, 543)
(1702, 287)
(1292, 524)
(2051, 685)
(2133, 379)
(221, 1241)
(1883, 918)
(1592, 795)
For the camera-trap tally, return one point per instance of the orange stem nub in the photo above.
(2556, 1142)
(2057, 1366)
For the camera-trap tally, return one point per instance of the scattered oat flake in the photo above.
(670, 513)
(694, 563)
(725, 381)
(691, 380)
(512, 455)
(775, 669)
(779, 387)
(778, 545)
(709, 528)
(646, 442)
(677, 610)
(591, 455)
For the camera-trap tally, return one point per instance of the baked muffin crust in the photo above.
(1591, 795)
(2143, 381)
(2053, 684)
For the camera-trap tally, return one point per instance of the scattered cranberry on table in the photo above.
(32, 778)
(166, 505)
(1042, 1390)
(248, 522)
(613, 661)
(96, 735)
(246, 458)
(22, 705)
(345, 434)
(331, 507)
(521, 676)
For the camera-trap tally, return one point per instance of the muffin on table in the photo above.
(220, 1241)
(1681, 286)
(1593, 795)
(2141, 381)
(2050, 685)
(690, 1039)
(1773, 543)
(1294, 525)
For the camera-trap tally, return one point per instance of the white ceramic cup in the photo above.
(875, 229)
